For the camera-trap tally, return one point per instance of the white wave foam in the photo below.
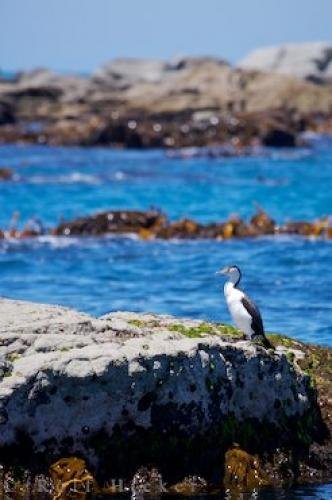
(73, 178)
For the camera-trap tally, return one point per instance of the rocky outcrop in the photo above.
(154, 224)
(310, 61)
(148, 103)
(129, 389)
(116, 221)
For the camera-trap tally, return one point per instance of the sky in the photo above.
(81, 35)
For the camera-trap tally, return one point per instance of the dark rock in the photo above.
(279, 138)
(153, 224)
(112, 222)
(5, 174)
(7, 114)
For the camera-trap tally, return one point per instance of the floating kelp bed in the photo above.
(154, 224)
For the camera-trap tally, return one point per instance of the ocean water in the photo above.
(289, 277)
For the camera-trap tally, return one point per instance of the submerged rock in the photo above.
(127, 390)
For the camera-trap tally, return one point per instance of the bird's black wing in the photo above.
(256, 322)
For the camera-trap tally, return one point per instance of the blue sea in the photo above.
(289, 277)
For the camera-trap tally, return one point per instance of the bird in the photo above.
(243, 310)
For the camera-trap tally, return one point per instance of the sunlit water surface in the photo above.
(289, 277)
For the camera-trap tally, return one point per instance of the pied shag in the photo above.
(244, 311)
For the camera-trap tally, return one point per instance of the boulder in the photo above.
(115, 221)
(129, 389)
(310, 61)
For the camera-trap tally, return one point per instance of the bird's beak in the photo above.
(222, 271)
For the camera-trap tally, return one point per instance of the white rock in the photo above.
(63, 372)
(303, 60)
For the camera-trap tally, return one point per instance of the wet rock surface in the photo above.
(128, 390)
(135, 103)
(113, 222)
(154, 224)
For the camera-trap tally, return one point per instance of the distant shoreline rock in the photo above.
(311, 61)
(127, 390)
(133, 103)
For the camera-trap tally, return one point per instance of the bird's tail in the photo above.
(264, 341)
(267, 344)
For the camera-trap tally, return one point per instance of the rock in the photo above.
(44, 83)
(5, 174)
(7, 114)
(165, 104)
(311, 61)
(133, 389)
(123, 73)
(279, 138)
(116, 221)
(154, 224)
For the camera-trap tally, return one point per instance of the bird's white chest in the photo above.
(240, 315)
